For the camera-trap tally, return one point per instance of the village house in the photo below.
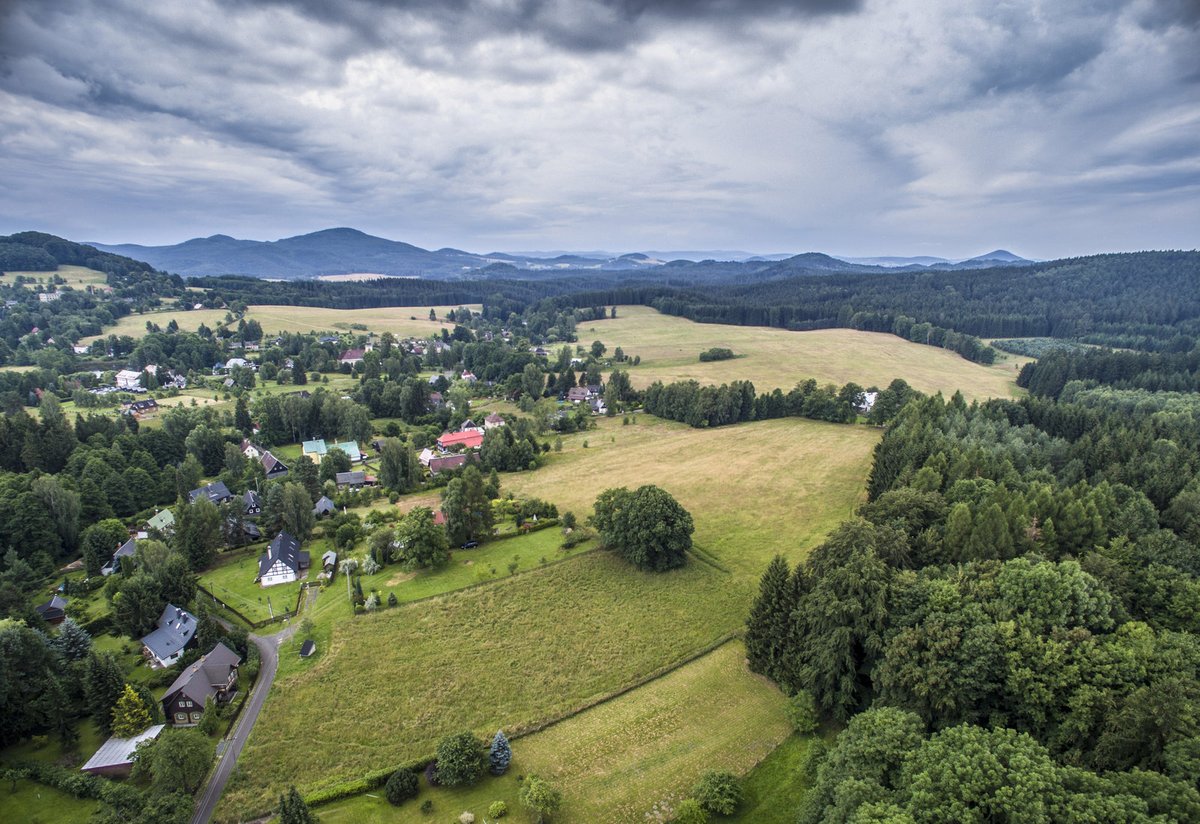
(426, 456)
(448, 462)
(115, 756)
(170, 637)
(273, 468)
(329, 561)
(467, 440)
(163, 522)
(354, 480)
(216, 492)
(314, 449)
(283, 562)
(351, 357)
(129, 380)
(577, 394)
(145, 407)
(252, 501)
(125, 550)
(53, 611)
(324, 506)
(251, 450)
(213, 676)
(492, 421)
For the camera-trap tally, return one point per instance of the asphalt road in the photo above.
(268, 649)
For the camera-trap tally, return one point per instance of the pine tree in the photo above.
(990, 537)
(500, 754)
(293, 810)
(129, 716)
(959, 526)
(768, 626)
(102, 687)
(73, 641)
(241, 417)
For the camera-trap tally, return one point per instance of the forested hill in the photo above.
(40, 252)
(1139, 300)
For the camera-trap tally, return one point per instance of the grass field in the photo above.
(135, 325)
(535, 645)
(77, 277)
(670, 350)
(34, 803)
(399, 320)
(648, 744)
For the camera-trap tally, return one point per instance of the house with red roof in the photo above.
(467, 440)
(352, 356)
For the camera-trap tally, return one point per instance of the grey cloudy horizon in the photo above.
(857, 127)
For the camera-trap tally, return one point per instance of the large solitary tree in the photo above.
(647, 526)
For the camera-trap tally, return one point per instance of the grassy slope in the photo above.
(135, 325)
(77, 277)
(670, 349)
(616, 760)
(586, 627)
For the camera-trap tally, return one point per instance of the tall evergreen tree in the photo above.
(500, 754)
(129, 715)
(768, 628)
(103, 685)
(293, 810)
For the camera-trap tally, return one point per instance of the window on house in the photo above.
(187, 703)
(196, 717)
(181, 718)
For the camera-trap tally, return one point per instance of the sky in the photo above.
(855, 127)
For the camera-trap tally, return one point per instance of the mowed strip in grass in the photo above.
(524, 649)
(670, 350)
(640, 752)
(401, 321)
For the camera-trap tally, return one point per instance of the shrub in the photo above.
(500, 754)
(460, 759)
(402, 786)
(689, 811)
(719, 792)
(802, 712)
(498, 809)
(467, 818)
(540, 797)
(427, 806)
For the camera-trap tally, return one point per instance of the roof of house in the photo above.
(330, 557)
(471, 440)
(57, 603)
(118, 752)
(353, 354)
(162, 521)
(350, 448)
(439, 517)
(126, 550)
(353, 478)
(316, 446)
(201, 679)
(324, 504)
(495, 417)
(175, 628)
(252, 500)
(284, 548)
(447, 462)
(308, 648)
(128, 374)
(272, 464)
(215, 492)
(577, 393)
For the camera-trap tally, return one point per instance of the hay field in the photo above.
(77, 277)
(399, 320)
(670, 349)
(616, 761)
(134, 325)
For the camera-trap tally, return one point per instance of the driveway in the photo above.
(231, 748)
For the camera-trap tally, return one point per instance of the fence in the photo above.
(283, 616)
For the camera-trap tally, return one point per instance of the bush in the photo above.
(719, 792)
(467, 818)
(498, 809)
(460, 759)
(689, 811)
(802, 712)
(402, 786)
(427, 806)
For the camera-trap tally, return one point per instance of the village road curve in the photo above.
(268, 650)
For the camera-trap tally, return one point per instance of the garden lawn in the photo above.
(628, 758)
(35, 803)
(775, 788)
(670, 350)
(401, 321)
(524, 649)
(232, 581)
(468, 567)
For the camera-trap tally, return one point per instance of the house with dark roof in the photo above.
(250, 530)
(273, 468)
(213, 676)
(324, 506)
(170, 637)
(577, 394)
(252, 501)
(308, 648)
(143, 407)
(283, 562)
(329, 561)
(54, 610)
(216, 492)
(125, 550)
(354, 480)
(448, 462)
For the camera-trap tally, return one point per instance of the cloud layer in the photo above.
(936, 127)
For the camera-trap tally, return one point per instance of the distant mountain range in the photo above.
(348, 251)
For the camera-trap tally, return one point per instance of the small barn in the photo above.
(115, 756)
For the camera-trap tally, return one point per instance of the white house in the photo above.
(128, 379)
(283, 561)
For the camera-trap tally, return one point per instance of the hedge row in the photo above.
(70, 781)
